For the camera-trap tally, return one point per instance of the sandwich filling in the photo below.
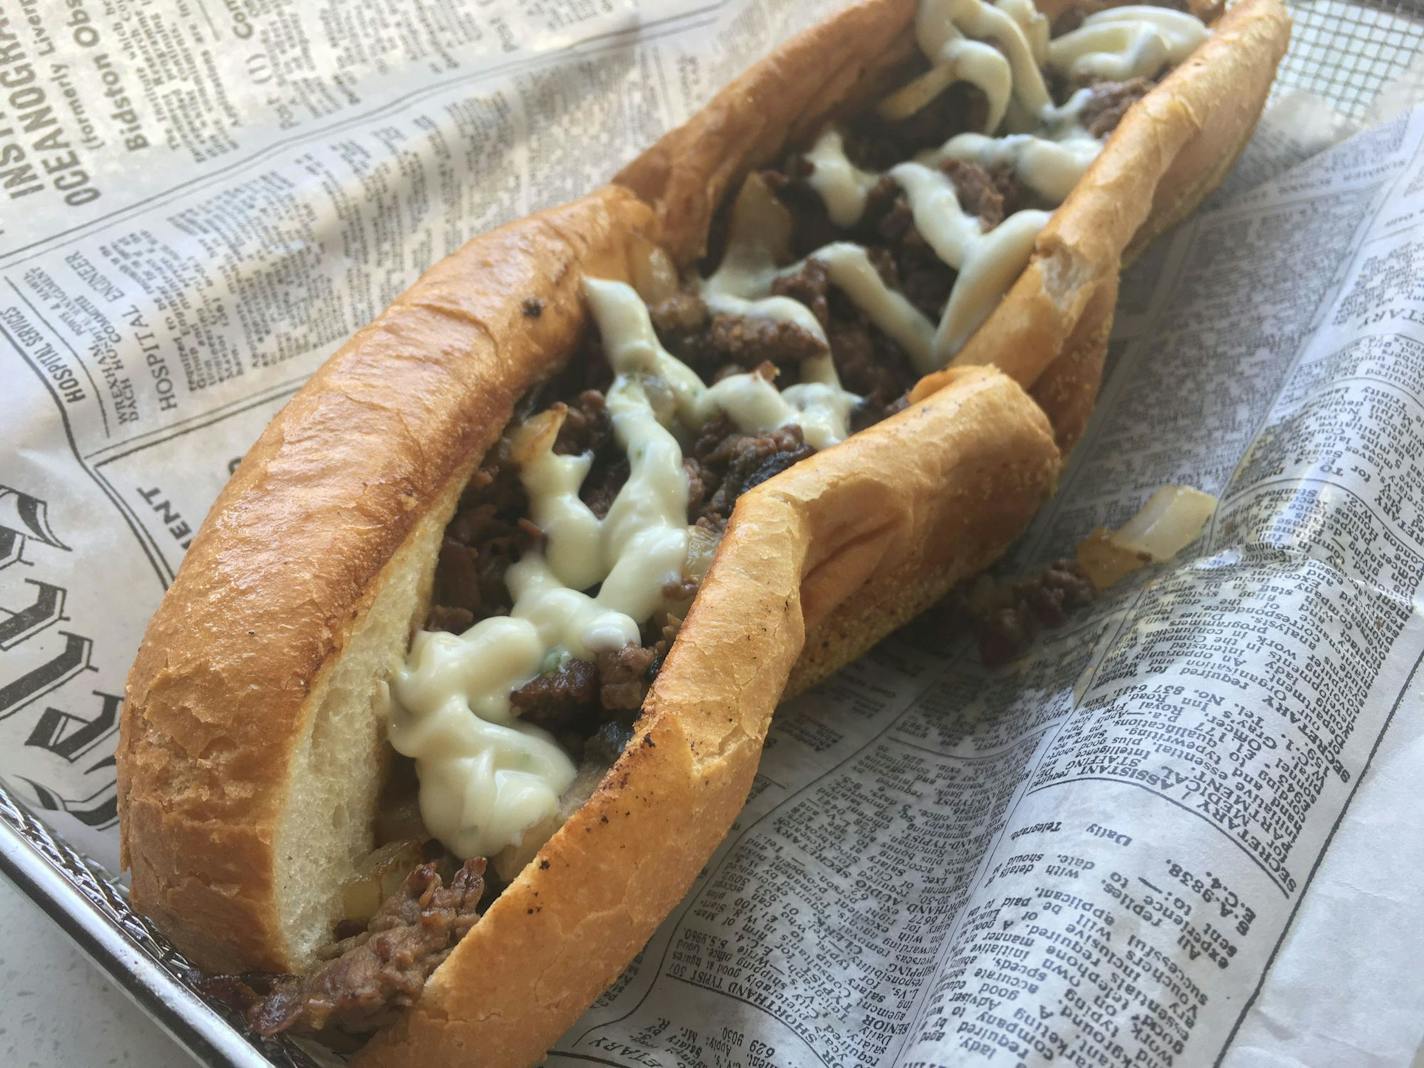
(867, 262)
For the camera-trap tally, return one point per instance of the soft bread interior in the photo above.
(339, 765)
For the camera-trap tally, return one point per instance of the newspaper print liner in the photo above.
(90, 905)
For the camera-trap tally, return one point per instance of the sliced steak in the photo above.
(559, 700)
(373, 975)
(623, 678)
(1109, 102)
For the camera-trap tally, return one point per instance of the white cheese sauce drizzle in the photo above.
(1126, 42)
(485, 777)
(488, 780)
(1118, 44)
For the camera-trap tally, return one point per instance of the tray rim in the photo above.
(179, 1012)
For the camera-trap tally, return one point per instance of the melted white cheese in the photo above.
(1050, 161)
(945, 31)
(1032, 22)
(1126, 42)
(484, 777)
(842, 185)
(818, 405)
(487, 779)
(987, 262)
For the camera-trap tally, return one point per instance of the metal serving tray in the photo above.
(1342, 50)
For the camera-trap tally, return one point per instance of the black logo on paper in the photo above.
(99, 810)
(27, 610)
(23, 517)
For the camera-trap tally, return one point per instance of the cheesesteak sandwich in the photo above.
(469, 669)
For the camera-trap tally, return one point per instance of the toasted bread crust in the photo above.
(319, 552)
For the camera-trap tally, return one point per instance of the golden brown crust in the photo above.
(330, 524)
(1068, 389)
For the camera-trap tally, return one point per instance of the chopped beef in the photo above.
(738, 462)
(375, 974)
(707, 441)
(868, 362)
(927, 284)
(696, 484)
(883, 260)
(1061, 589)
(878, 145)
(661, 631)
(683, 589)
(1014, 193)
(887, 213)
(809, 285)
(811, 226)
(682, 323)
(976, 191)
(748, 341)
(679, 315)
(587, 424)
(925, 279)
(486, 535)
(587, 368)
(571, 700)
(458, 589)
(1109, 102)
(1006, 619)
(979, 191)
(558, 700)
(623, 677)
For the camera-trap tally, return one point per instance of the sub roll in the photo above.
(468, 671)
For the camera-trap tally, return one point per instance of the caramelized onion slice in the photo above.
(701, 548)
(1172, 519)
(377, 877)
(760, 222)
